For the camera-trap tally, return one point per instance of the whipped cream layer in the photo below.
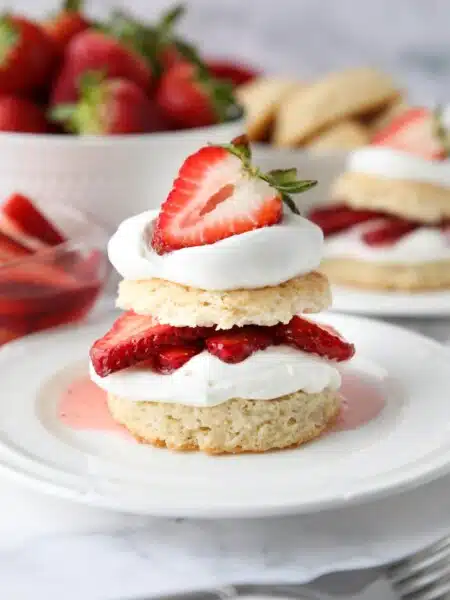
(207, 381)
(426, 244)
(259, 258)
(395, 164)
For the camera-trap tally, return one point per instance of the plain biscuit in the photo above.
(235, 426)
(379, 276)
(345, 135)
(414, 200)
(338, 96)
(261, 99)
(183, 306)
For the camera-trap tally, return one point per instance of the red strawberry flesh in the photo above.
(171, 358)
(212, 199)
(29, 221)
(314, 338)
(412, 132)
(390, 231)
(235, 345)
(134, 338)
(339, 217)
(11, 249)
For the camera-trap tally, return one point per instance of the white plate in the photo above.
(408, 443)
(391, 304)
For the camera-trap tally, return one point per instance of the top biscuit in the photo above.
(338, 96)
(182, 306)
(261, 99)
(422, 202)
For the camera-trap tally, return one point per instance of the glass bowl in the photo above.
(54, 285)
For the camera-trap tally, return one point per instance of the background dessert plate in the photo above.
(407, 444)
(393, 304)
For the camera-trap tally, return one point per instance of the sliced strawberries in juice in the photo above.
(26, 219)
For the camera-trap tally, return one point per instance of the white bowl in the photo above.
(110, 177)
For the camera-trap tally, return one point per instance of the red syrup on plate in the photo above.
(361, 402)
(83, 406)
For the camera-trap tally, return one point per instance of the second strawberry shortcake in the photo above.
(388, 226)
(213, 353)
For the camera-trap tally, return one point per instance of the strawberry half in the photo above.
(390, 231)
(218, 194)
(23, 218)
(237, 344)
(134, 338)
(315, 339)
(339, 217)
(414, 131)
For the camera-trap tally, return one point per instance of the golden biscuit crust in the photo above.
(379, 276)
(261, 99)
(345, 135)
(414, 200)
(341, 95)
(233, 427)
(183, 306)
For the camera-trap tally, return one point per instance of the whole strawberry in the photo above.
(21, 115)
(66, 24)
(190, 97)
(27, 56)
(109, 107)
(96, 51)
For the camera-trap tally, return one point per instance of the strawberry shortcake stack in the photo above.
(213, 352)
(388, 226)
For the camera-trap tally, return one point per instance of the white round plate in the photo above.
(391, 304)
(408, 443)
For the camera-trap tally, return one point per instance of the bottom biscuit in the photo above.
(380, 276)
(235, 426)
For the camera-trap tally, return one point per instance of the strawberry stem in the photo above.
(440, 130)
(75, 6)
(9, 37)
(283, 180)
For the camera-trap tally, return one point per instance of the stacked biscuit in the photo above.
(213, 352)
(339, 111)
(237, 424)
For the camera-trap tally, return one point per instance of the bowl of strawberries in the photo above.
(99, 115)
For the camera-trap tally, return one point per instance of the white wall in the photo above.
(410, 38)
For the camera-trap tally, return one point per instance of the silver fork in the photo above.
(425, 575)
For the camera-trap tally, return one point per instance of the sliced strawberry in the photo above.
(339, 217)
(12, 331)
(11, 249)
(172, 358)
(390, 231)
(235, 345)
(134, 338)
(314, 338)
(28, 220)
(211, 200)
(412, 131)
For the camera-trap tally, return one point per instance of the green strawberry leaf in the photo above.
(440, 130)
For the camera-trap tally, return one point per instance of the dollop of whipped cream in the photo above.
(395, 164)
(263, 257)
(426, 244)
(207, 381)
